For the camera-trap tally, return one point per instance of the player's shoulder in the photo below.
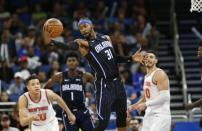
(103, 36)
(160, 73)
(23, 97)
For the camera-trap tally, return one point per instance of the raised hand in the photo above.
(137, 57)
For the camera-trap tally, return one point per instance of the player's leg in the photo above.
(67, 125)
(86, 123)
(104, 99)
(161, 123)
(120, 105)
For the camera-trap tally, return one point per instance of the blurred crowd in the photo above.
(130, 24)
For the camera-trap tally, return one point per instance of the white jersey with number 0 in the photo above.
(43, 108)
(151, 92)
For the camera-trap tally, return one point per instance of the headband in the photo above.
(85, 21)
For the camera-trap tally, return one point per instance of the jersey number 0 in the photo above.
(147, 93)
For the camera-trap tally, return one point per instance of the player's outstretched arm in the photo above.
(54, 79)
(25, 119)
(72, 45)
(54, 97)
(197, 103)
(137, 57)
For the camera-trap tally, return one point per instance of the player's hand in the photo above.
(82, 42)
(47, 37)
(137, 57)
(35, 117)
(139, 107)
(72, 118)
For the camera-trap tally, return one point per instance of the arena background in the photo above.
(166, 26)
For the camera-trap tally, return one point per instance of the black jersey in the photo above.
(72, 91)
(102, 57)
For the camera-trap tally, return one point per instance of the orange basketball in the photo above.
(54, 27)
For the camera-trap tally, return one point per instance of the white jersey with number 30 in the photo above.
(151, 91)
(43, 108)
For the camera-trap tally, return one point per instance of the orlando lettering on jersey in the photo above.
(102, 46)
(72, 87)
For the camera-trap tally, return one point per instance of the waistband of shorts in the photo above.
(45, 123)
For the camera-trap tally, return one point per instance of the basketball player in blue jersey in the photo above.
(110, 92)
(72, 91)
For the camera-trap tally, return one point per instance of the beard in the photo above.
(88, 36)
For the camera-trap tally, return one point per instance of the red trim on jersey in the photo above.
(33, 100)
(43, 108)
(26, 99)
(47, 97)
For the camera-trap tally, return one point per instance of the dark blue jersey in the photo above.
(72, 91)
(102, 57)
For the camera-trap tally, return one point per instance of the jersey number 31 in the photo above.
(109, 54)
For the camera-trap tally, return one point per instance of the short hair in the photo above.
(153, 52)
(33, 76)
(72, 54)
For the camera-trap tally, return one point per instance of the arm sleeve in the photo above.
(124, 59)
(163, 96)
(72, 45)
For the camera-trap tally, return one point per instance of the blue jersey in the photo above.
(102, 57)
(72, 91)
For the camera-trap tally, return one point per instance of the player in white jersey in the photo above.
(35, 108)
(156, 99)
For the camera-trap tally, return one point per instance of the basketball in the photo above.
(54, 27)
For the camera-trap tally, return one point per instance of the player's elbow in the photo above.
(22, 124)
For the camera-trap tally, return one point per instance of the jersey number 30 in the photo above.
(109, 54)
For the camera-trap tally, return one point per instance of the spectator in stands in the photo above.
(17, 25)
(5, 123)
(33, 59)
(6, 71)
(55, 68)
(138, 79)
(134, 125)
(119, 41)
(4, 97)
(17, 87)
(38, 14)
(153, 36)
(23, 61)
(3, 85)
(7, 47)
(42, 78)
